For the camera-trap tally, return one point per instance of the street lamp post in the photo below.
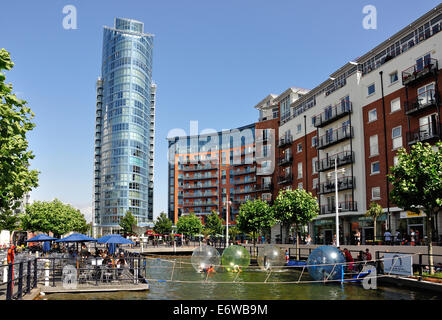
(227, 204)
(337, 200)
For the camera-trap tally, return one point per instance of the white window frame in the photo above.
(376, 115)
(396, 138)
(372, 154)
(371, 166)
(368, 87)
(372, 193)
(299, 170)
(298, 150)
(391, 105)
(397, 75)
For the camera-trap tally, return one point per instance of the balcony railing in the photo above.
(200, 204)
(200, 195)
(285, 141)
(285, 160)
(286, 178)
(249, 190)
(335, 136)
(345, 206)
(239, 172)
(253, 180)
(425, 133)
(344, 183)
(332, 114)
(423, 101)
(328, 163)
(201, 177)
(197, 168)
(241, 201)
(201, 186)
(264, 187)
(419, 71)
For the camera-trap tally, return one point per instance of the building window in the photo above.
(393, 77)
(299, 170)
(300, 185)
(298, 128)
(375, 167)
(371, 89)
(375, 193)
(314, 141)
(374, 149)
(315, 183)
(314, 160)
(372, 115)
(395, 105)
(299, 147)
(397, 137)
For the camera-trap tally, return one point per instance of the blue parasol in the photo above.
(114, 239)
(46, 246)
(41, 237)
(76, 237)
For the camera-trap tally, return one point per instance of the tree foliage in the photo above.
(128, 223)
(254, 216)
(15, 121)
(163, 225)
(214, 224)
(189, 225)
(417, 183)
(374, 211)
(297, 207)
(55, 217)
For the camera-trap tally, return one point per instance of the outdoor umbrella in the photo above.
(115, 239)
(76, 237)
(41, 237)
(46, 246)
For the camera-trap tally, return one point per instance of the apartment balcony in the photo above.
(200, 204)
(201, 177)
(200, 195)
(285, 141)
(241, 172)
(241, 201)
(328, 163)
(285, 160)
(244, 191)
(345, 206)
(253, 180)
(419, 71)
(425, 133)
(332, 114)
(264, 187)
(344, 183)
(334, 137)
(423, 101)
(197, 168)
(201, 186)
(287, 178)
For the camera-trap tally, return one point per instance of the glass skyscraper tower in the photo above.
(125, 128)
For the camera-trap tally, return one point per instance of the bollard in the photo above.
(135, 271)
(47, 274)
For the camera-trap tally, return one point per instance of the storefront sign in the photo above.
(322, 222)
(398, 263)
(411, 214)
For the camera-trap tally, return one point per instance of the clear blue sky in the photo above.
(213, 61)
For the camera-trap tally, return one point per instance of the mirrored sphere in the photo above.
(325, 257)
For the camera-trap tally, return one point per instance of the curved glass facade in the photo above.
(124, 167)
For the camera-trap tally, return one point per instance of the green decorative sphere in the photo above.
(235, 257)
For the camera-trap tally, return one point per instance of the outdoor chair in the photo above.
(106, 273)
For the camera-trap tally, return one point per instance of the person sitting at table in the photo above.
(106, 259)
(121, 261)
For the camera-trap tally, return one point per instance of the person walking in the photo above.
(358, 237)
(387, 237)
(412, 237)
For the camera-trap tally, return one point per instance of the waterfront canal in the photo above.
(214, 290)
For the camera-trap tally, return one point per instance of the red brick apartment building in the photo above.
(386, 99)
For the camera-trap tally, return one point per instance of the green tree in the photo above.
(297, 207)
(214, 224)
(374, 211)
(254, 216)
(417, 184)
(15, 121)
(128, 223)
(54, 216)
(163, 225)
(189, 225)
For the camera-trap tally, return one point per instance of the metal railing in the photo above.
(422, 101)
(344, 206)
(423, 133)
(343, 158)
(332, 113)
(335, 136)
(344, 183)
(419, 70)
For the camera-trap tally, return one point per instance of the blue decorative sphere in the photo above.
(324, 258)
